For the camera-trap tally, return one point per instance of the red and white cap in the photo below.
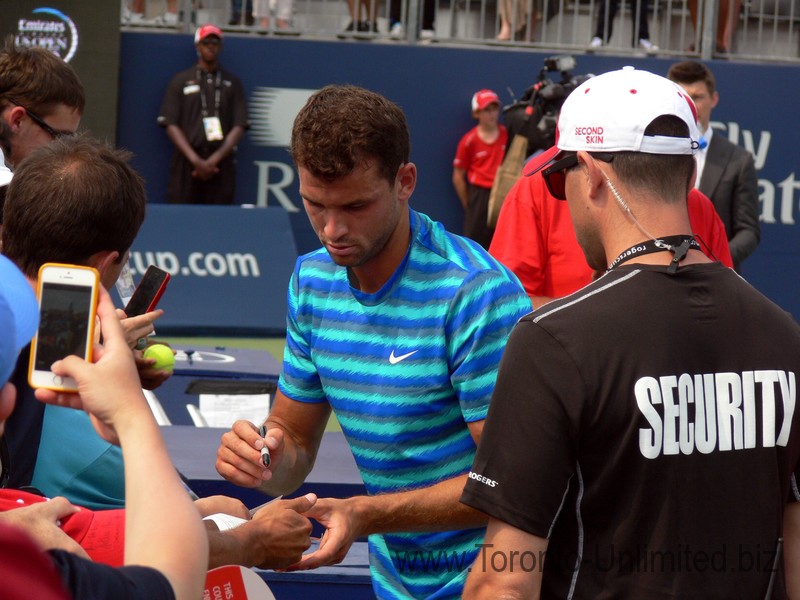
(206, 30)
(484, 98)
(610, 112)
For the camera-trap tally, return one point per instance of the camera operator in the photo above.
(531, 125)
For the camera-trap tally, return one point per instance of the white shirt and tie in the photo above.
(700, 155)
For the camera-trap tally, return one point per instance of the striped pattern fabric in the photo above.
(403, 370)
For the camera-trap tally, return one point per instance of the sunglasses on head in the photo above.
(555, 176)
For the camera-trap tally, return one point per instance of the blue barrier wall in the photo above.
(433, 84)
(229, 267)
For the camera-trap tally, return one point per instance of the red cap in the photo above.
(484, 98)
(205, 31)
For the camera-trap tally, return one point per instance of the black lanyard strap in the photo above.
(217, 88)
(678, 245)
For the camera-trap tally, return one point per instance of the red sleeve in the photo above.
(517, 242)
(707, 225)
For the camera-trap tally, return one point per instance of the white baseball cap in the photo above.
(610, 112)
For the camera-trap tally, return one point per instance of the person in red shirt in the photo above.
(535, 239)
(478, 156)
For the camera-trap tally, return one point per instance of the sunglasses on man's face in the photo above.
(555, 176)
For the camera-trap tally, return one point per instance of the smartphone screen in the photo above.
(64, 323)
(67, 308)
(148, 292)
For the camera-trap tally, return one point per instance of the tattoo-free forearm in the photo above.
(435, 508)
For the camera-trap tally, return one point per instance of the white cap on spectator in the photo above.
(610, 112)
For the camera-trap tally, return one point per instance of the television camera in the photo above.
(534, 115)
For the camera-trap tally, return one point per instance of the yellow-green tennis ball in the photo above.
(165, 359)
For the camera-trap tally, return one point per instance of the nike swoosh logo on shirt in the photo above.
(396, 359)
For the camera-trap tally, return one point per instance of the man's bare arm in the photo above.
(434, 508)
(485, 581)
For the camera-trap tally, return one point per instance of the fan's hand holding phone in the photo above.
(67, 306)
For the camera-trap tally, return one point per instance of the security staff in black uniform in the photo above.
(205, 114)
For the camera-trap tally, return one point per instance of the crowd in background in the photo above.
(651, 26)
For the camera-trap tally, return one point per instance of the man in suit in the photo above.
(726, 172)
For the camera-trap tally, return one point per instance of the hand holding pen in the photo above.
(244, 457)
(265, 458)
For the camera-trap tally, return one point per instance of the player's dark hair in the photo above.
(69, 200)
(342, 127)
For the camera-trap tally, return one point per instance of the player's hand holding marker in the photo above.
(248, 454)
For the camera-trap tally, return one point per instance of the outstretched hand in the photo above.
(280, 533)
(340, 532)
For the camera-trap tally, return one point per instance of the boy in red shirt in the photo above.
(480, 153)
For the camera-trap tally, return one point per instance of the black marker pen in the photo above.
(264, 450)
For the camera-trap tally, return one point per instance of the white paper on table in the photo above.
(221, 410)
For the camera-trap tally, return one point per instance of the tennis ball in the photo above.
(165, 359)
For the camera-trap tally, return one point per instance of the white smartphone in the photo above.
(67, 308)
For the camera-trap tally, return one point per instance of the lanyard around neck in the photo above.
(678, 245)
(217, 88)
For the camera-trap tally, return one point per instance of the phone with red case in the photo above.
(149, 291)
(67, 310)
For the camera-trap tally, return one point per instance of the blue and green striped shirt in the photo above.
(404, 370)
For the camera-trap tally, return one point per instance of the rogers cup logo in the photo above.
(51, 29)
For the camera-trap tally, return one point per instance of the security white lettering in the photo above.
(715, 411)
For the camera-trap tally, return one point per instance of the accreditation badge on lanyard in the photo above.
(213, 128)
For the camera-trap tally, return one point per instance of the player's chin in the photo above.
(346, 256)
(346, 263)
